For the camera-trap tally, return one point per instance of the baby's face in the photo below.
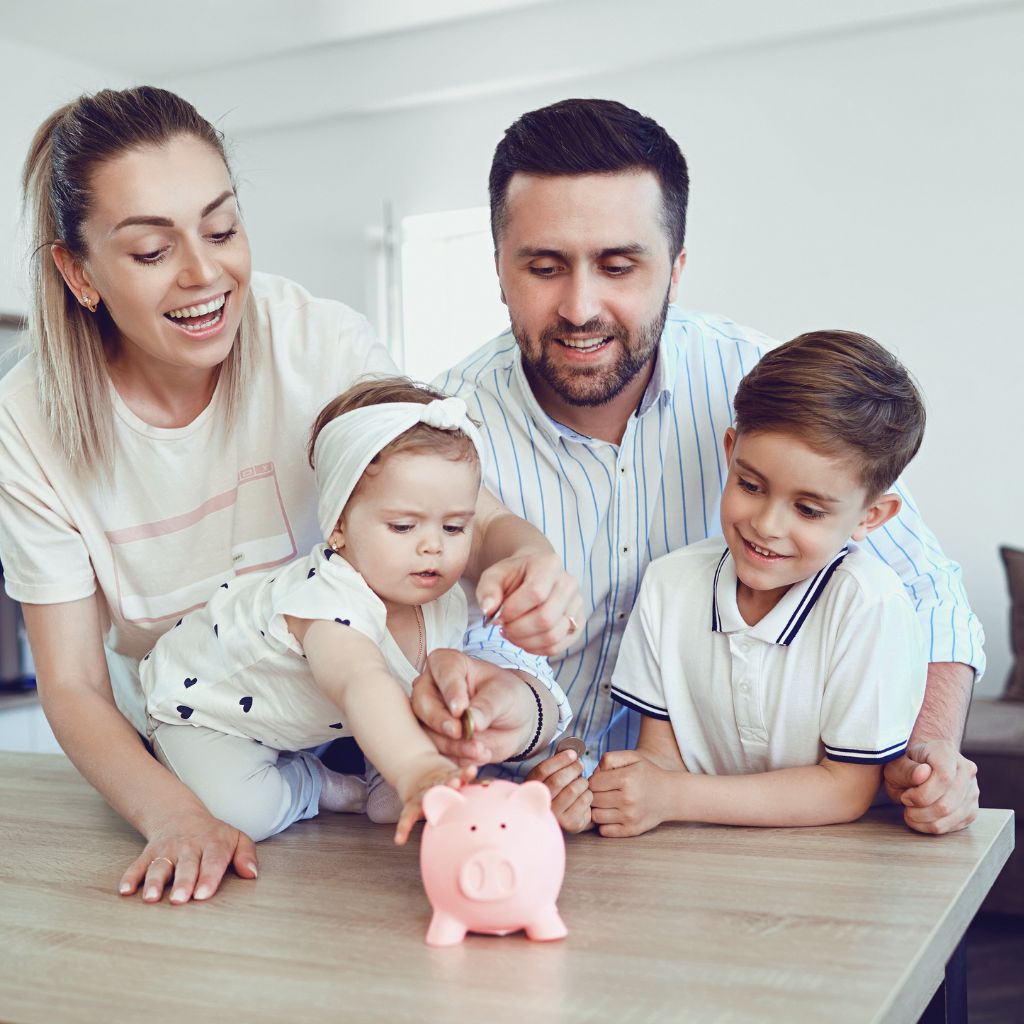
(787, 509)
(408, 526)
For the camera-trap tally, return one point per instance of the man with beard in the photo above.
(603, 407)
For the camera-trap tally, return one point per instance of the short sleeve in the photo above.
(875, 683)
(636, 679)
(331, 590)
(44, 557)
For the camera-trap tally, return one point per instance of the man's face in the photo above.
(586, 273)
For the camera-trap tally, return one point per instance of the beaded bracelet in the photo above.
(528, 752)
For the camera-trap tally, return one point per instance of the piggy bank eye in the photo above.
(472, 828)
(503, 825)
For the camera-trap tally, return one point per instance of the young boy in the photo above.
(776, 677)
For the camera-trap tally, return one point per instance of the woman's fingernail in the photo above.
(152, 893)
(252, 868)
(178, 896)
(451, 729)
(125, 888)
(203, 892)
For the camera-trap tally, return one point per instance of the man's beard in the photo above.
(590, 386)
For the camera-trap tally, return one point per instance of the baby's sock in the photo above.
(341, 793)
(383, 804)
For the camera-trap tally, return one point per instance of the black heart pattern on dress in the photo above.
(328, 552)
(185, 712)
(190, 682)
(337, 725)
(246, 704)
(178, 623)
(215, 631)
(344, 622)
(146, 658)
(310, 574)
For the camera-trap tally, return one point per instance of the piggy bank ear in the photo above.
(533, 795)
(439, 799)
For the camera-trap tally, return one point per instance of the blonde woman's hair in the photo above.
(71, 345)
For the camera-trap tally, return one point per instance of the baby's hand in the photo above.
(443, 773)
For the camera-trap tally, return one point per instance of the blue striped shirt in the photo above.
(609, 509)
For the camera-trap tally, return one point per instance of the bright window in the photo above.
(450, 298)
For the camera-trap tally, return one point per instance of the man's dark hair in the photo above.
(592, 137)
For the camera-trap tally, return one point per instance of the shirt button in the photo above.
(625, 550)
(606, 687)
(621, 616)
(623, 470)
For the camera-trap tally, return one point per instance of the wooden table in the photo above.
(696, 923)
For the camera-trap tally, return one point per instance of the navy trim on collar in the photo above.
(799, 602)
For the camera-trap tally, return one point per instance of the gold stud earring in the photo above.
(89, 302)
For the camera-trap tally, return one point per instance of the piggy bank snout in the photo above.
(487, 875)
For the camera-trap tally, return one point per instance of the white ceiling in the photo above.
(148, 41)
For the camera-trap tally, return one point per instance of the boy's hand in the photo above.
(937, 786)
(630, 794)
(570, 792)
(442, 773)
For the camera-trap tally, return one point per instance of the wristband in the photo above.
(528, 752)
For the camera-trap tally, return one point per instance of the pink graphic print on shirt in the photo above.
(243, 530)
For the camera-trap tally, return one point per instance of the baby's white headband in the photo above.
(347, 445)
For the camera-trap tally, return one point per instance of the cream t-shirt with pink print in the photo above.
(186, 508)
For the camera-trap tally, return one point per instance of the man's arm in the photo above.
(933, 780)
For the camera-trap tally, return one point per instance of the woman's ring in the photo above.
(573, 625)
(156, 859)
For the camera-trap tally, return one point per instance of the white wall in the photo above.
(33, 83)
(868, 179)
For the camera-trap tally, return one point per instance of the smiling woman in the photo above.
(150, 452)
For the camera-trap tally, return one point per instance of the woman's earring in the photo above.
(89, 302)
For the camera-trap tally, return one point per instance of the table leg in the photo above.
(949, 1004)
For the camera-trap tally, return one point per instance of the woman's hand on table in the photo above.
(192, 857)
(534, 600)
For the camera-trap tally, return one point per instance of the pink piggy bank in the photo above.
(492, 860)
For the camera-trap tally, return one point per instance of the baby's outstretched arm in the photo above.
(633, 791)
(350, 669)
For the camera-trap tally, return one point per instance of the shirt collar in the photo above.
(782, 624)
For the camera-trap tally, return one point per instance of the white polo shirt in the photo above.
(838, 667)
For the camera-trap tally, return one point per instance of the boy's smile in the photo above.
(786, 510)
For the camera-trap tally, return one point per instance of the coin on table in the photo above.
(467, 724)
(572, 743)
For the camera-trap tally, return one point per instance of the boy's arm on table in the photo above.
(350, 670)
(933, 779)
(636, 790)
(185, 844)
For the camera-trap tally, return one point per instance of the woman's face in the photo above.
(168, 255)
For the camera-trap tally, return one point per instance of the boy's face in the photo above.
(407, 528)
(787, 509)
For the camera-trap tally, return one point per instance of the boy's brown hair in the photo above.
(843, 395)
(451, 444)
